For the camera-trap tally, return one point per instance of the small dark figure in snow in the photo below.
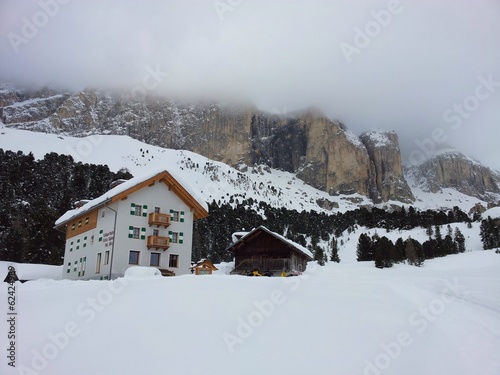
(11, 276)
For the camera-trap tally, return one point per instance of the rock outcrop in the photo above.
(452, 169)
(383, 149)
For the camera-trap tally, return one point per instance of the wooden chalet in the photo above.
(268, 252)
(204, 267)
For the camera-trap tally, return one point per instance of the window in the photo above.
(106, 257)
(98, 263)
(69, 268)
(73, 226)
(84, 264)
(157, 210)
(173, 261)
(175, 215)
(103, 213)
(137, 233)
(154, 259)
(79, 224)
(133, 257)
(156, 232)
(86, 220)
(138, 210)
(175, 237)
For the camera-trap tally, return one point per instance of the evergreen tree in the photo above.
(429, 231)
(459, 240)
(334, 256)
(414, 252)
(399, 251)
(364, 250)
(384, 250)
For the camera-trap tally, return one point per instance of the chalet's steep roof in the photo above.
(181, 189)
(296, 246)
(206, 264)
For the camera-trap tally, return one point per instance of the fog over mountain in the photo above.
(429, 70)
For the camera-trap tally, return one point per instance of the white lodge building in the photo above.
(145, 221)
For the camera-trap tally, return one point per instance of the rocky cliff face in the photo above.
(452, 169)
(320, 151)
(383, 149)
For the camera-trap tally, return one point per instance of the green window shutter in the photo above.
(171, 211)
(145, 210)
(69, 268)
(130, 231)
(101, 234)
(143, 233)
(181, 237)
(132, 208)
(182, 217)
(170, 235)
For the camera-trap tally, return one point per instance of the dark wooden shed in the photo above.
(269, 252)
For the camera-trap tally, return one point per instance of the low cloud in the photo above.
(415, 60)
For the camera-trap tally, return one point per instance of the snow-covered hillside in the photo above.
(216, 181)
(347, 318)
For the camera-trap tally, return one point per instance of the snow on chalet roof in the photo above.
(123, 187)
(295, 245)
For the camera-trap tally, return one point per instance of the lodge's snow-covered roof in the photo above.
(123, 188)
(295, 245)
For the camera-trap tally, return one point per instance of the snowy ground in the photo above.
(347, 318)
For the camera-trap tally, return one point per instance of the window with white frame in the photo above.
(175, 215)
(173, 261)
(133, 257)
(154, 259)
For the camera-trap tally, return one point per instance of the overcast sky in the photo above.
(429, 69)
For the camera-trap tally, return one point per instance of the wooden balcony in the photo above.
(158, 242)
(160, 220)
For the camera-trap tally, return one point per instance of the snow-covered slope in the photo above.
(214, 180)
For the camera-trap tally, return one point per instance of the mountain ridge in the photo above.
(322, 152)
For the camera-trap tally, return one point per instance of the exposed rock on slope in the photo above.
(383, 149)
(452, 169)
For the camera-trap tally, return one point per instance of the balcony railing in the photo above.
(160, 220)
(158, 242)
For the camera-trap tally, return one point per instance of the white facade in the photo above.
(119, 233)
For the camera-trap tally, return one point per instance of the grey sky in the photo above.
(428, 69)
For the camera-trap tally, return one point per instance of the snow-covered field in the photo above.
(347, 318)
